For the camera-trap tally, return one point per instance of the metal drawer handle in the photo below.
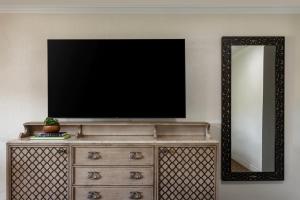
(136, 155)
(94, 175)
(94, 155)
(136, 175)
(136, 195)
(94, 195)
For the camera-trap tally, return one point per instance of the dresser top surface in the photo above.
(122, 123)
(125, 140)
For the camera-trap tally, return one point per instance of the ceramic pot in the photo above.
(51, 129)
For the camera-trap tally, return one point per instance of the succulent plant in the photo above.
(49, 121)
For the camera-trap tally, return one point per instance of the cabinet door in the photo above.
(38, 172)
(187, 173)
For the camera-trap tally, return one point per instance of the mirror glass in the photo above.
(253, 108)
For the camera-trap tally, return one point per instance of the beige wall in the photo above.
(23, 70)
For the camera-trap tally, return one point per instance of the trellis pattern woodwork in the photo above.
(187, 173)
(39, 173)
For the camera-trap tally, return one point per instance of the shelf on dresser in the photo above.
(154, 129)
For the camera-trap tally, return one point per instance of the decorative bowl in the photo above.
(51, 129)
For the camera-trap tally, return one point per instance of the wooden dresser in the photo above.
(115, 161)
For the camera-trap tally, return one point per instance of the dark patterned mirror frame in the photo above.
(278, 174)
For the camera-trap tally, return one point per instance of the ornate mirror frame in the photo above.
(227, 174)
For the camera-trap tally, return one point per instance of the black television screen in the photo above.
(116, 78)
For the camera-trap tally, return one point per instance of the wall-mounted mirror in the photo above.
(252, 108)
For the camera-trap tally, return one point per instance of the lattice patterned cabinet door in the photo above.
(38, 173)
(187, 173)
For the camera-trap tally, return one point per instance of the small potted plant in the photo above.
(51, 125)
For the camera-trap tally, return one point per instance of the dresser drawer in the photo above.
(113, 156)
(115, 193)
(113, 176)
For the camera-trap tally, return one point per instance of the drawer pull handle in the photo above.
(136, 175)
(94, 175)
(136, 195)
(94, 155)
(94, 195)
(136, 155)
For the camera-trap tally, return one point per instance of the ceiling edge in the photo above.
(140, 9)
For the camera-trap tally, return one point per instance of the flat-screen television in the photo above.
(116, 78)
